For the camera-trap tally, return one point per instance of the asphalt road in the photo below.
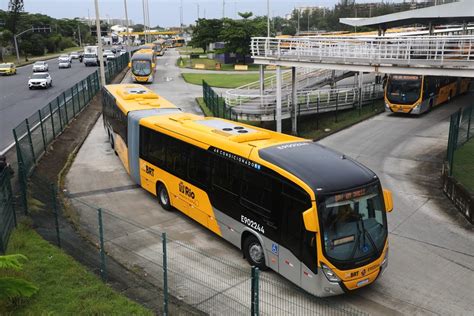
(17, 102)
(431, 260)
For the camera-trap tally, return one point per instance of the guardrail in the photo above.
(435, 51)
(34, 134)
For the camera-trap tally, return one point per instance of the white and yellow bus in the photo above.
(311, 214)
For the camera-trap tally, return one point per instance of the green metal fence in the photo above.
(190, 278)
(36, 133)
(461, 130)
(7, 210)
(216, 103)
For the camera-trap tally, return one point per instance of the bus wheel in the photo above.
(450, 95)
(254, 253)
(163, 197)
(431, 105)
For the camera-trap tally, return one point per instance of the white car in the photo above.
(40, 80)
(65, 56)
(64, 62)
(74, 55)
(40, 66)
(110, 56)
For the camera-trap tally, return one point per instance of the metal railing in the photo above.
(34, 134)
(262, 107)
(434, 51)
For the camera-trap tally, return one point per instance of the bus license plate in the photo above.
(363, 282)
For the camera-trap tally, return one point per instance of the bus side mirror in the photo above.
(387, 198)
(129, 65)
(309, 219)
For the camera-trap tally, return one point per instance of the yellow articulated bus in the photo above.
(178, 42)
(143, 65)
(413, 94)
(313, 215)
(160, 47)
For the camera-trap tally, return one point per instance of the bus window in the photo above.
(153, 147)
(226, 175)
(199, 167)
(257, 189)
(176, 156)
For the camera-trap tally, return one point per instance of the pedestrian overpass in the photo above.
(411, 55)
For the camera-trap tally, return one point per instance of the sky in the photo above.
(164, 12)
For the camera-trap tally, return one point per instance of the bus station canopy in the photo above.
(456, 12)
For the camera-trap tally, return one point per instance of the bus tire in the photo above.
(450, 96)
(254, 252)
(163, 197)
(430, 106)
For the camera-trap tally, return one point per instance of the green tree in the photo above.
(15, 7)
(13, 287)
(237, 34)
(5, 40)
(205, 32)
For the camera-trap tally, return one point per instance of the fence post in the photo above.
(73, 102)
(52, 119)
(254, 300)
(469, 124)
(31, 141)
(337, 102)
(65, 107)
(103, 267)
(42, 130)
(10, 193)
(59, 114)
(165, 276)
(55, 212)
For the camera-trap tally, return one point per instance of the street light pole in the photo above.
(99, 43)
(128, 29)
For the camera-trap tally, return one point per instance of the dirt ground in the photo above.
(47, 177)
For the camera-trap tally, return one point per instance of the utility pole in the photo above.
(298, 28)
(197, 4)
(148, 18)
(128, 29)
(181, 16)
(99, 43)
(223, 9)
(268, 18)
(32, 29)
(144, 19)
(79, 32)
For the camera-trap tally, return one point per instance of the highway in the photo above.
(431, 259)
(17, 102)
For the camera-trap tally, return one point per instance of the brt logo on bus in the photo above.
(186, 190)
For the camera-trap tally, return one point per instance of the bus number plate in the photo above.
(252, 224)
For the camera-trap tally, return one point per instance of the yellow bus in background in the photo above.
(178, 42)
(143, 65)
(313, 215)
(412, 94)
(160, 47)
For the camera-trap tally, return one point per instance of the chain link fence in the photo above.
(37, 132)
(7, 209)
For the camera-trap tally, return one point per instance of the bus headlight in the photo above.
(330, 275)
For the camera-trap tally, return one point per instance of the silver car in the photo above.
(40, 80)
(64, 62)
(40, 66)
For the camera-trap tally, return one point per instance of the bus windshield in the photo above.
(404, 89)
(141, 67)
(354, 224)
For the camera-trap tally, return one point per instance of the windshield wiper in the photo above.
(365, 232)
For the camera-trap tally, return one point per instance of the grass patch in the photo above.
(463, 165)
(65, 286)
(310, 127)
(12, 58)
(210, 64)
(203, 106)
(221, 80)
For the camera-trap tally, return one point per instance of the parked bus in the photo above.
(418, 94)
(313, 215)
(143, 65)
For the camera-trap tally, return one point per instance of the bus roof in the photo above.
(143, 54)
(135, 97)
(322, 169)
